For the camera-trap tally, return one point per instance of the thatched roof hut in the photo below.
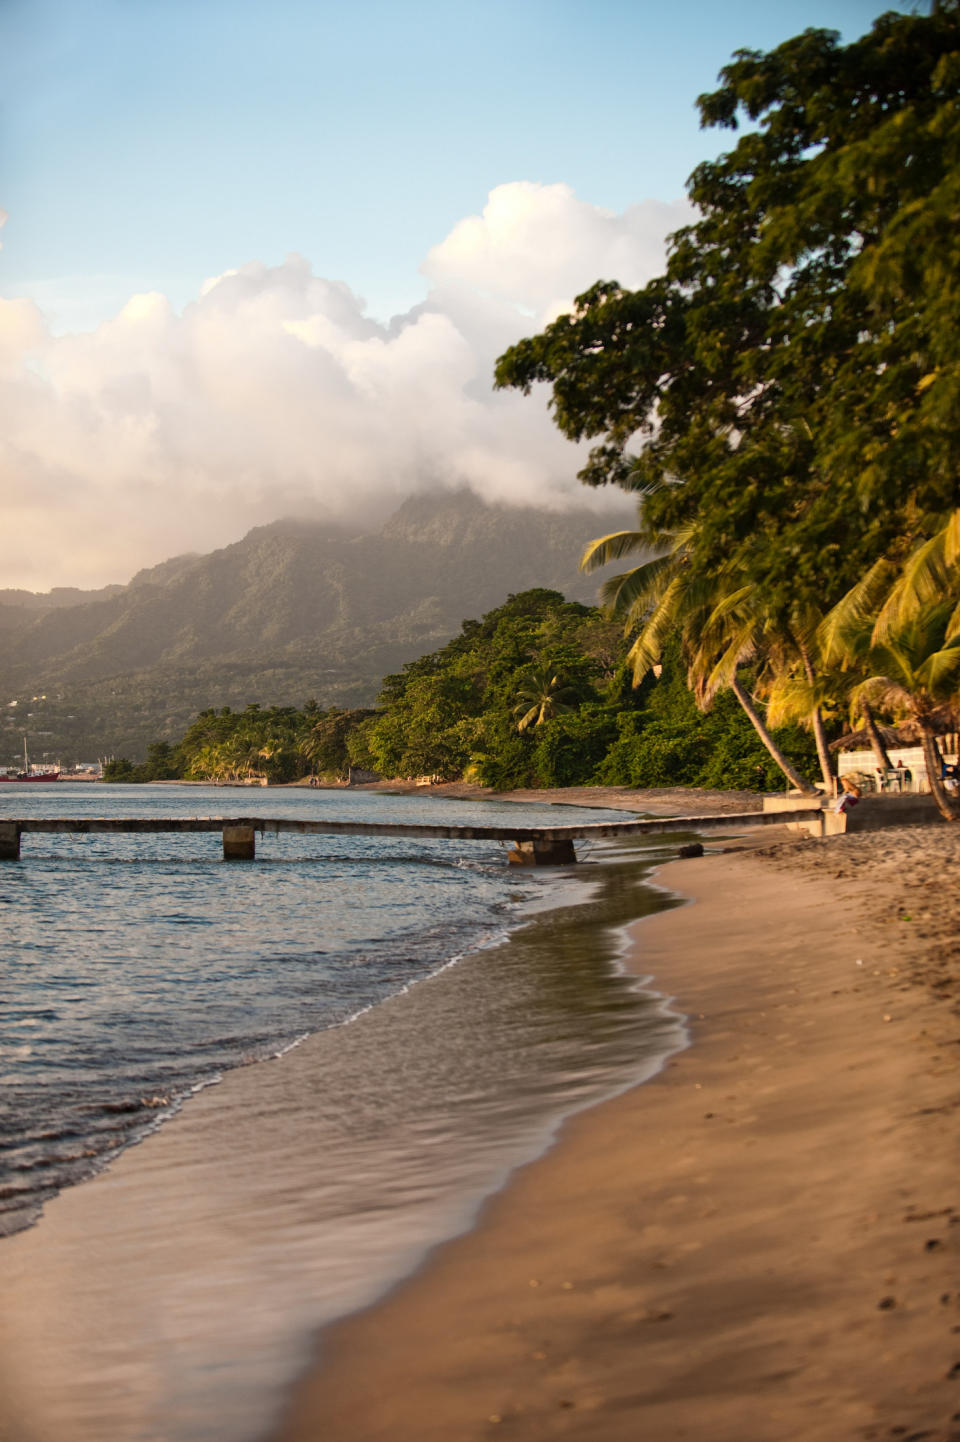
(946, 724)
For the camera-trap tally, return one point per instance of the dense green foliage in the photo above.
(162, 764)
(797, 367)
(783, 399)
(275, 744)
(454, 714)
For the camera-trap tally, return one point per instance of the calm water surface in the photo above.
(137, 970)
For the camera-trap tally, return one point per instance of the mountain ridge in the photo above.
(292, 609)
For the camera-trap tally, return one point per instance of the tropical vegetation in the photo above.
(783, 400)
(538, 692)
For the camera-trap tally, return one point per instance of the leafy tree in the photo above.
(162, 764)
(119, 768)
(231, 745)
(793, 378)
(670, 741)
(326, 745)
(570, 747)
(719, 622)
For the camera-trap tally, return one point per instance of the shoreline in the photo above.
(202, 1261)
(664, 800)
(756, 1243)
(723, 1248)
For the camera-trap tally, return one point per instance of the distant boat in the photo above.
(29, 776)
(46, 773)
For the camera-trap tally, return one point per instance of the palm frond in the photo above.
(633, 591)
(884, 694)
(924, 580)
(845, 632)
(951, 541)
(648, 647)
(528, 718)
(611, 548)
(791, 698)
(733, 603)
(718, 657)
(940, 672)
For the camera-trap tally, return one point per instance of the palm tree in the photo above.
(899, 630)
(542, 694)
(913, 666)
(719, 622)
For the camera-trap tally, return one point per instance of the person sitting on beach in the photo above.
(850, 794)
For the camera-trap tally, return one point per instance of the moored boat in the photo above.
(29, 776)
(31, 773)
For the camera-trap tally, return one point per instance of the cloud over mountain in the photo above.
(274, 393)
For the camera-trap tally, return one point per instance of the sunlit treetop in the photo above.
(791, 384)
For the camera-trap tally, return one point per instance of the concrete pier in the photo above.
(532, 845)
(239, 843)
(817, 817)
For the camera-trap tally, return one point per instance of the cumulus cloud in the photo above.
(274, 393)
(537, 246)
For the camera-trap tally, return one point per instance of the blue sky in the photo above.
(148, 144)
(215, 209)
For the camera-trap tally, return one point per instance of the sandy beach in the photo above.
(758, 1244)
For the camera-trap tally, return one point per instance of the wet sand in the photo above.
(757, 1245)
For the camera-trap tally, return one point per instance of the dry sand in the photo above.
(758, 1245)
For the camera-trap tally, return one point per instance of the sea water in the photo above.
(139, 970)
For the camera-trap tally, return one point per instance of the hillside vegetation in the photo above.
(536, 693)
(295, 609)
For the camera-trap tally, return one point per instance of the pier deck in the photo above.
(533, 845)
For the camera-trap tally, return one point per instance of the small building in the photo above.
(855, 757)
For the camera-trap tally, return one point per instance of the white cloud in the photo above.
(538, 246)
(274, 393)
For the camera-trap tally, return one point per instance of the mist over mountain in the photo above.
(295, 609)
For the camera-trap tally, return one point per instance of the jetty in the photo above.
(531, 845)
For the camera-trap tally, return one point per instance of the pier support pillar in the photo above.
(239, 843)
(542, 853)
(9, 841)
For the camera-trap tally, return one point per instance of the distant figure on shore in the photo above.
(850, 794)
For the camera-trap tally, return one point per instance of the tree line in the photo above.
(538, 692)
(783, 400)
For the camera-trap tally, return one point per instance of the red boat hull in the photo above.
(31, 780)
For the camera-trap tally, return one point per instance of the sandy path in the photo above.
(757, 1246)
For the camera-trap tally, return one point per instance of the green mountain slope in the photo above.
(294, 609)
